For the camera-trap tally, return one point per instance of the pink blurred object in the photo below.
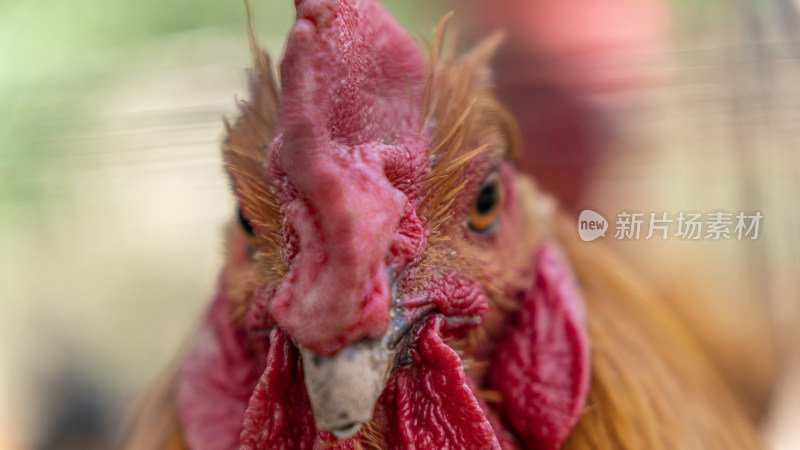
(559, 58)
(591, 46)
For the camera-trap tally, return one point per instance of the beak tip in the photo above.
(347, 431)
(344, 388)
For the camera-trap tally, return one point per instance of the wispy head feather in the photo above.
(459, 105)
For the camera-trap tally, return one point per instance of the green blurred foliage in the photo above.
(55, 56)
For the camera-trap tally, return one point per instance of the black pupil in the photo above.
(487, 198)
(245, 224)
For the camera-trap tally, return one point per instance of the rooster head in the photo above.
(390, 282)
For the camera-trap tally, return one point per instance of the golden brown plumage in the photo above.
(651, 385)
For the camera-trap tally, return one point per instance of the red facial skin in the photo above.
(348, 160)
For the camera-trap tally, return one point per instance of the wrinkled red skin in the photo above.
(347, 163)
(426, 405)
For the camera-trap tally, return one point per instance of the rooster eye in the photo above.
(247, 227)
(486, 208)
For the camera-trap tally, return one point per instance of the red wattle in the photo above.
(542, 366)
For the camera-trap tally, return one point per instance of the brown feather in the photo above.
(155, 423)
(458, 102)
(651, 385)
(247, 147)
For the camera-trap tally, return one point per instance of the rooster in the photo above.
(393, 281)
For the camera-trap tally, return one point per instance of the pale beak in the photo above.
(343, 388)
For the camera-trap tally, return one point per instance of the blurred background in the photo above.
(113, 199)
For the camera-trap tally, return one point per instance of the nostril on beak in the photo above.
(347, 430)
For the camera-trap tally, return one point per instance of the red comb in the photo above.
(352, 83)
(348, 74)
